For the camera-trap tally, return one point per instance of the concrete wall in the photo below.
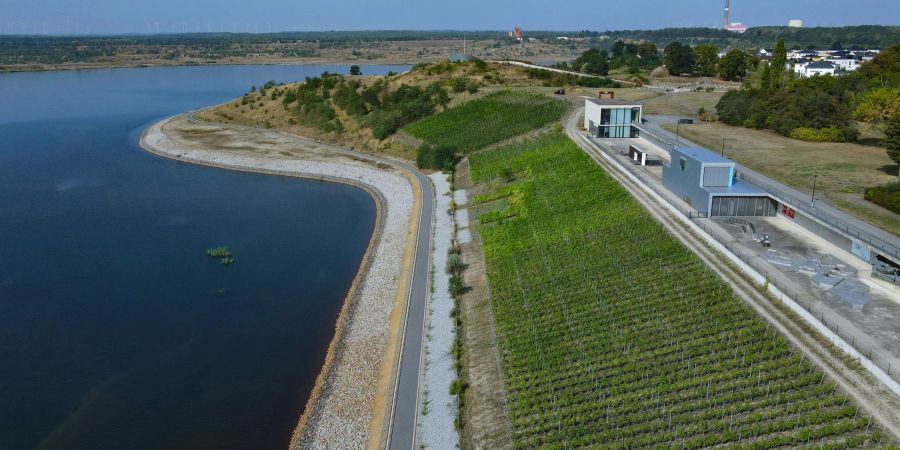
(591, 113)
(820, 229)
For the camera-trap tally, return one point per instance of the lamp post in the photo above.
(676, 131)
(812, 200)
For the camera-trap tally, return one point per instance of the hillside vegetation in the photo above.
(488, 120)
(614, 335)
(365, 111)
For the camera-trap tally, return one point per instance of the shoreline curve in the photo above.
(346, 401)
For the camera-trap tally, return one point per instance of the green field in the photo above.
(614, 335)
(488, 120)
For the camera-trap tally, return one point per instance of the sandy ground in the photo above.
(344, 401)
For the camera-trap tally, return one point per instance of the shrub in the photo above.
(887, 195)
(439, 157)
(830, 134)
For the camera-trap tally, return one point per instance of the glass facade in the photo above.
(617, 123)
(743, 206)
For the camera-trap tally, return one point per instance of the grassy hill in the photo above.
(364, 112)
(488, 120)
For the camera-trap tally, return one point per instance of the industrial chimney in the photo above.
(725, 22)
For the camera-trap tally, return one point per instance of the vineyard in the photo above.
(488, 120)
(614, 335)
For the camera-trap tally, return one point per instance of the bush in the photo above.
(830, 134)
(887, 195)
(439, 157)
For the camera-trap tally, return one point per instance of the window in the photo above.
(682, 162)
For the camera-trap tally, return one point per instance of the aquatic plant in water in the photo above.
(223, 253)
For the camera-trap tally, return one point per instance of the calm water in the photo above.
(116, 331)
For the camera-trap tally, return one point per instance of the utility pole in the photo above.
(812, 200)
(723, 147)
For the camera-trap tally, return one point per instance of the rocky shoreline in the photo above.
(344, 403)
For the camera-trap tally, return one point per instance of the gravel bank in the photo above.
(340, 411)
(437, 415)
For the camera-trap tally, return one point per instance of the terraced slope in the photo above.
(488, 120)
(614, 335)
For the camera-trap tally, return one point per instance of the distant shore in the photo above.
(347, 402)
(237, 62)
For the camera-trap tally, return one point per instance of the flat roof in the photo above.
(738, 188)
(611, 102)
(704, 156)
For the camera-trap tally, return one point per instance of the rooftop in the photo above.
(704, 156)
(610, 101)
(820, 65)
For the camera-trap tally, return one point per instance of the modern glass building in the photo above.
(610, 118)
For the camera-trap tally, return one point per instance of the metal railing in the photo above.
(809, 208)
(808, 302)
(799, 204)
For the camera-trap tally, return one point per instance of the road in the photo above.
(871, 395)
(405, 398)
(402, 431)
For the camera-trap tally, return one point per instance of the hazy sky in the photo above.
(148, 16)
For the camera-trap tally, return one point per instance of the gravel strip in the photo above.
(339, 415)
(437, 424)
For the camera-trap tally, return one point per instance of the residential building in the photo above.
(611, 118)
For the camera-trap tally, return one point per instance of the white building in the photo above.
(610, 118)
(812, 69)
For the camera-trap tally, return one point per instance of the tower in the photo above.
(725, 22)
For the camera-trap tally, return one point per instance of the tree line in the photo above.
(820, 108)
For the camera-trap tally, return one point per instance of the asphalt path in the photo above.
(405, 398)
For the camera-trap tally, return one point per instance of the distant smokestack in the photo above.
(726, 21)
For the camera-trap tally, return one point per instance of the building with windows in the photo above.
(706, 181)
(611, 118)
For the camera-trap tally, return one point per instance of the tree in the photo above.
(618, 49)
(592, 61)
(878, 106)
(891, 141)
(355, 70)
(647, 50)
(775, 78)
(678, 58)
(733, 66)
(836, 45)
(706, 60)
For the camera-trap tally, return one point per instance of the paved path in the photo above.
(402, 434)
(405, 398)
(553, 69)
(851, 225)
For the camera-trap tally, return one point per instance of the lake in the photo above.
(116, 330)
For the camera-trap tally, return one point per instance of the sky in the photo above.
(166, 16)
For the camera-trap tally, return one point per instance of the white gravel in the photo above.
(341, 415)
(437, 430)
(460, 197)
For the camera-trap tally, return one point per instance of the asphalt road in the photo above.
(405, 400)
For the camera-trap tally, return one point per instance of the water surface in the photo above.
(116, 331)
